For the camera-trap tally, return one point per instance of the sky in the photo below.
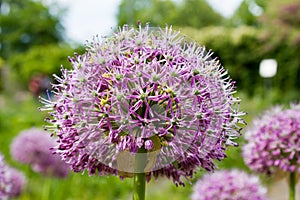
(86, 18)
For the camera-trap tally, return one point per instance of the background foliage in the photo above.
(25, 23)
(34, 43)
(195, 13)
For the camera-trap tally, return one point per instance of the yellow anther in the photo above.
(106, 75)
(168, 90)
(104, 100)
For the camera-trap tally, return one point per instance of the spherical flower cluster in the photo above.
(229, 185)
(273, 141)
(143, 94)
(11, 181)
(32, 146)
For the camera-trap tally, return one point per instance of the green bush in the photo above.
(40, 60)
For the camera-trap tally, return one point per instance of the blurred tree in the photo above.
(45, 60)
(276, 24)
(193, 13)
(282, 23)
(155, 11)
(248, 12)
(197, 13)
(284, 13)
(25, 23)
(255, 12)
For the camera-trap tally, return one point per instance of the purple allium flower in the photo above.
(273, 141)
(11, 181)
(143, 89)
(32, 147)
(229, 185)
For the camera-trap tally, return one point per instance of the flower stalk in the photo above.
(139, 178)
(292, 185)
(139, 187)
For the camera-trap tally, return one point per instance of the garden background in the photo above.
(33, 46)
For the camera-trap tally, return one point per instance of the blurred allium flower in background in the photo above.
(273, 141)
(32, 146)
(143, 89)
(229, 185)
(11, 181)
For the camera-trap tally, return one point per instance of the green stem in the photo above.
(292, 185)
(139, 178)
(139, 186)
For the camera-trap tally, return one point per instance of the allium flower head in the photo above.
(32, 146)
(229, 185)
(143, 94)
(11, 181)
(273, 141)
